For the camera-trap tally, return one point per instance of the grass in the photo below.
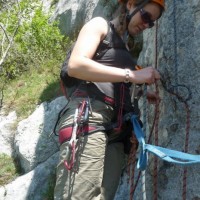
(23, 95)
(8, 169)
(31, 89)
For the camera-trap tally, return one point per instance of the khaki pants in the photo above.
(98, 165)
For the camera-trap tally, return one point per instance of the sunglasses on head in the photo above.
(146, 18)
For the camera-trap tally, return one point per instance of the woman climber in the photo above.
(93, 130)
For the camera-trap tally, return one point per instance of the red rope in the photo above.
(184, 192)
(155, 169)
(131, 165)
(155, 128)
(155, 124)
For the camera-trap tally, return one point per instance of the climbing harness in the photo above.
(81, 127)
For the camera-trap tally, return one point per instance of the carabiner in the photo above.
(72, 142)
(70, 165)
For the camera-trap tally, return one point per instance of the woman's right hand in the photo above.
(145, 75)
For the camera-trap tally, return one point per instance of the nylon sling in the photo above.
(171, 156)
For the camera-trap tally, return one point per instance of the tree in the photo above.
(27, 37)
(7, 36)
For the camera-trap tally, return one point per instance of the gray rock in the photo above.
(34, 142)
(72, 15)
(178, 55)
(7, 132)
(33, 185)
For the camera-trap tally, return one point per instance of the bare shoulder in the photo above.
(98, 20)
(98, 25)
(92, 33)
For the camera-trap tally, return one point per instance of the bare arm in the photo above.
(83, 67)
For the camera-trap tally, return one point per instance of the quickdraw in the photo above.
(80, 118)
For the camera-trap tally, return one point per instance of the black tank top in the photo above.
(116, 55)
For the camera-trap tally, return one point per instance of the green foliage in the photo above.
(40, 39)
(32, 88)
(37, 40)
(30, 72)
(31, 69)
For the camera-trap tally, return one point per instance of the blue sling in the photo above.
(168, 155)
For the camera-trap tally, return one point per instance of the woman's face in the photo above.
(144, 18)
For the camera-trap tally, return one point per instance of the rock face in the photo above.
(34, 143)
(32, 185)
(178, 54)
(7, 132)
(73, 14)
(177, 59)
(37, 151)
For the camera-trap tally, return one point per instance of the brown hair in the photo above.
(122, 12)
